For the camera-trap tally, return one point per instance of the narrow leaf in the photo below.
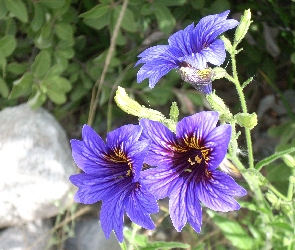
(273, 157)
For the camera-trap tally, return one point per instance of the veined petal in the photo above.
(217, 193)
(154, 71)
(217, 140)
(88, 159)
(182, 40)
(152, 53)
(197, 126)
(215, 53)
(197, 60)
(162, 139)
(91, 189)
(121, 137)
(112, 214)
(136, 154)
(193, 207)
(160, 181)
(177, 204)
(139, 206)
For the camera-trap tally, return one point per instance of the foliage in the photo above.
(54, 53)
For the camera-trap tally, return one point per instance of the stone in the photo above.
(33, 235)
(89, 236)
(35, 164)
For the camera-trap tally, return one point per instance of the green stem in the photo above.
(236, 81)
(123, 245)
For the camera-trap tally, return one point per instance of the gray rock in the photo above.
(89, 236)
(32, 236)
(35, 164)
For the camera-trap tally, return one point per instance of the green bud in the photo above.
(218, 104)
(243, 27)
(218, 73)
(246, 120)
(132, 107)
(255, 176)
(174, 112)
(271, 197)
(227, 43)
(292, 179)
(289, 160)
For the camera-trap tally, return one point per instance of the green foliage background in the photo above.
(53, 52)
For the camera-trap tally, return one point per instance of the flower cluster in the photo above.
(189, 51)
(184, 163)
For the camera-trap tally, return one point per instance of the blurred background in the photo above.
(55, 57)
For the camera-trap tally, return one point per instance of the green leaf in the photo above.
(39, 17)
(273, 157)
(7, 45)
(44, 40)
(147, 9)
(174, 2)
(18, 9)
(17, 68)
(37, 100)
(3, 9)
(56, 97)
(96, 12)
(138, 240)
(128, 22)
(41, 64)
(233, 231)
(64, 31)
(163, 245)
(22, 86)
(53, 4)
(165, 19)
(198, 5)
(4, 90)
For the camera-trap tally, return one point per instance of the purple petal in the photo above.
(125, 135)
(139, 205)
(162, 139)
(182, 40)
(217, 193)
(193, 208)
(112, 215)
(159, 181)
(177, 205)
(214, 53)
(197, 60)
(217, 140)
(136, 154)
(197, 126)
(91, 189)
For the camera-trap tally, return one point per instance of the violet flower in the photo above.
(187, 165)
(112, 174)
(189, 51)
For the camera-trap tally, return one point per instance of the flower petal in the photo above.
(123, 136)
(177, 204)
(112, 215)
(193, 208)
(217, 193)
(198, 125)
(159, 181)
(91, 189)
(162, 139)
(136, 154)
(214, 53)
(217, 140)
(139, 205)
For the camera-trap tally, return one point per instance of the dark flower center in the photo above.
(192, 163)
(124, 165)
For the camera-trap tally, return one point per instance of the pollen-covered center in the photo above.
(124, 165)
(192, 161)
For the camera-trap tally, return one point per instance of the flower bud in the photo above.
(246, 120)
(243, 27)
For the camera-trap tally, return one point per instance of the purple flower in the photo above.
(112, 174)
(186, 167)
(189, 51)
